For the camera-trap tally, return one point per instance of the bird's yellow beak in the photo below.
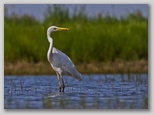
(60, 28)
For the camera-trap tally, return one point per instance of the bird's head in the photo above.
(55, 28)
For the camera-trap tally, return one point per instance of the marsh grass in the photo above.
(44, 68)
(90, 39)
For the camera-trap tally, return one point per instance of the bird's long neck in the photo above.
(50, 40)
(51, 45)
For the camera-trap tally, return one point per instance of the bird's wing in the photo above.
(62, 61)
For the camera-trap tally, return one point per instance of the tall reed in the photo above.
(90, 39)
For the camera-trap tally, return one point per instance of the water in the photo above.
(94, 91)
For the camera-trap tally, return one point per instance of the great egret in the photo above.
(60, 62)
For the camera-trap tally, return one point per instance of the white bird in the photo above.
(59, 61)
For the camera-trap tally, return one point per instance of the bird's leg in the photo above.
(63, 85)
(60, 86)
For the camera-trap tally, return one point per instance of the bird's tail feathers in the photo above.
(78, 76)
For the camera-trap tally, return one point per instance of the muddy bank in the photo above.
(44, 68)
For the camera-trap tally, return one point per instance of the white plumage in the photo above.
(59, 61)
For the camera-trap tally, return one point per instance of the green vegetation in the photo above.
(90, 39)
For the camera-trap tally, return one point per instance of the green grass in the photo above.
(96, 39)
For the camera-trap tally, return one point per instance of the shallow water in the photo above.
(94, 91)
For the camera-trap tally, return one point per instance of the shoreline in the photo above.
(44, 68)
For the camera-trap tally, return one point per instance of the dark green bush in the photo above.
(92, 39)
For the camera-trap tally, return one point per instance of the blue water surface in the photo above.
(111, 91)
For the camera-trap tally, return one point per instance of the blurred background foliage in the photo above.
(90, 39)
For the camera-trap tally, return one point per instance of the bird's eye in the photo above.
(55, 28)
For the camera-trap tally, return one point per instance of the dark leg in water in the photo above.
(60, 85)
(63, 85)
